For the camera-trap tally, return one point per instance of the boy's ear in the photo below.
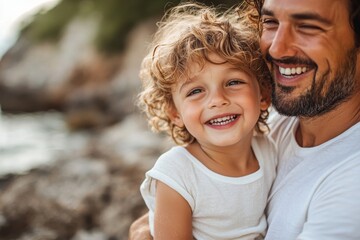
(265, 101)
(175, 117)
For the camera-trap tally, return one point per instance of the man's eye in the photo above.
(268, 22)
(193, 92)
(309, 27)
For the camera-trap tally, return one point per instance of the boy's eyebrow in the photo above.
(185, 83)
(300, 16)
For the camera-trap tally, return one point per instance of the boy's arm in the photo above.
(173, 215)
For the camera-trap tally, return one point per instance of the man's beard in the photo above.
(321, 98)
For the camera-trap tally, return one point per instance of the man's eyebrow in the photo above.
(265, 11)
(300, 16)
(311, 16)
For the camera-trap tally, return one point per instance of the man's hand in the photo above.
(140, 229)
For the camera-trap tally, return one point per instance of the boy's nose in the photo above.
(218, 99)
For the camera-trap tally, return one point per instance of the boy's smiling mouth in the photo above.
(222, 120)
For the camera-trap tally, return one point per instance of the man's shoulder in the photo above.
(280, 125)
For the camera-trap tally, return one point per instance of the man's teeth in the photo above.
(223, 120)
(292, 71)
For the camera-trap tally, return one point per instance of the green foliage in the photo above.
(50, 25)
(118, 17)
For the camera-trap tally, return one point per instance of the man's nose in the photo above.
(282, 44)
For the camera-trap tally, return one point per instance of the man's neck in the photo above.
(318, 130)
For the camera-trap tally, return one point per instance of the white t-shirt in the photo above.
(316, 195)
(223, 207)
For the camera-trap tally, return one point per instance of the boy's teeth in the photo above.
(223, 120)
(292, 71)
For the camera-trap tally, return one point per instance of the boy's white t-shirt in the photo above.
(223, 207)
(316, 194)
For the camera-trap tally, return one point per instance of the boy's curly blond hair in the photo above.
(187, 33)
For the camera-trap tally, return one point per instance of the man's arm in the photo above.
(140, 229)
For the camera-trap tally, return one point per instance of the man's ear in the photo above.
(175, 117)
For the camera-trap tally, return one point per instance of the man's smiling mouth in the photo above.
(292, 71)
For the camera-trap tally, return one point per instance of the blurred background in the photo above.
(73, 146)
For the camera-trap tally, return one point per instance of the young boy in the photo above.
(206, 85)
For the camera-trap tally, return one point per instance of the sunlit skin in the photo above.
(219, 105)
(310, 42)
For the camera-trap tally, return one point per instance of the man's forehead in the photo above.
(321, 10)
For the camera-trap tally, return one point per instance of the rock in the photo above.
(31, 72)
(133, 142)
(92, 193)
(94, 106)
(93, 90)
(72, 197)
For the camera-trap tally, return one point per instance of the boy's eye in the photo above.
(234, 82)
(194, 91)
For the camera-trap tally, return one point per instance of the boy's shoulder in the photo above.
(176, 157)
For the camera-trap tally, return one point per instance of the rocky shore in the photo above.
(90, 191)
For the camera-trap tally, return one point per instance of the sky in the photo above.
(12, 13)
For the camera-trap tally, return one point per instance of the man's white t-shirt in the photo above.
(316, 195)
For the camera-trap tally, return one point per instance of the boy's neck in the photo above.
(234, 161)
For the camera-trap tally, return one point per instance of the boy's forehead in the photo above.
(195, 64)
(214, 57)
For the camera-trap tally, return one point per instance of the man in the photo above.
(313, 52)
